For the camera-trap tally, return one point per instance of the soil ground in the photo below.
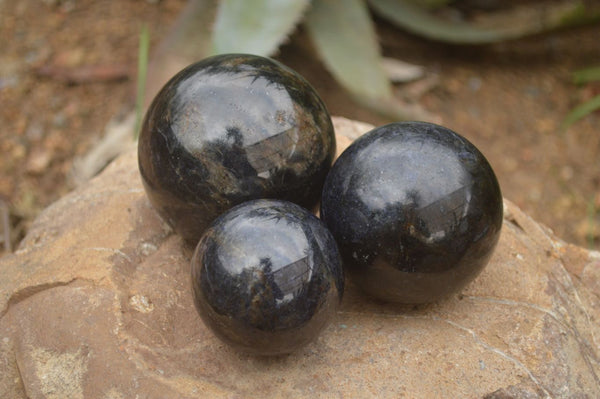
(68, 66)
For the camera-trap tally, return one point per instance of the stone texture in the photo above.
(96, 303)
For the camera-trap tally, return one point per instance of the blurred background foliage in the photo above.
(583, 77)
(343, 35)
(66, 67)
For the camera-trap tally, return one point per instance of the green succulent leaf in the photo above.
(500, 26)
(344, 36)
(255, 27)
(143, 49)
(587, 75)
(581, 111)
(431, 4)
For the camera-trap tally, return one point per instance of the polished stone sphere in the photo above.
(416, 211)
(228, 129)
(267, 277)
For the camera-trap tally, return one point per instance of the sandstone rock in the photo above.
(96, 303)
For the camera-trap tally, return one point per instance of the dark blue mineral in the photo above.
(416, 211)
(229, 129)
(267, 277)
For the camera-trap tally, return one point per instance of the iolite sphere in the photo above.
(267, 277)
(228, 129)
(416, 211)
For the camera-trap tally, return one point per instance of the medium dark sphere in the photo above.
(229, 129)
(416, 211)
(267, 277)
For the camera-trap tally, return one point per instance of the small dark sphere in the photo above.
(267, 277)
(416, 211)
(228, 129)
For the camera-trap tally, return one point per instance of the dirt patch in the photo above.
(509, 99)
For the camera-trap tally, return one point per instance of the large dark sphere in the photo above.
(416, 211)
(229, 129)
(267, 277)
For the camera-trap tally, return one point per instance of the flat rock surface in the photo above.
(96, 303)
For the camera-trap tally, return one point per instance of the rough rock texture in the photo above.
(96, 303)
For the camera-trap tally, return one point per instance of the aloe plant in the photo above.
(500, 26)
(345, 39)
(344, 36)
(256, 27)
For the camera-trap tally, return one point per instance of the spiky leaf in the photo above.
(255, 27)
(343, 33)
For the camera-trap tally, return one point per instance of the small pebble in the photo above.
(474, 83)
(141, 303)
(38, 161)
